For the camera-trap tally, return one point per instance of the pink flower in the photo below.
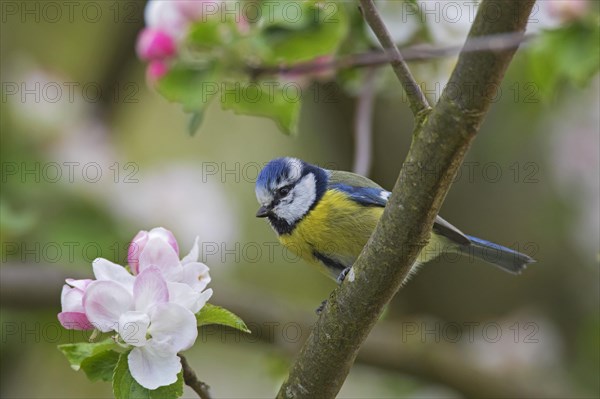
(73, 315)
(155, 44)
(138, 244)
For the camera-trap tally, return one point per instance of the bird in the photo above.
(327, 216)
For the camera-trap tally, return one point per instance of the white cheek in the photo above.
(298, 201)
(263, 196)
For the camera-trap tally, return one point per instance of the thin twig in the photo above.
(191, 380)
(363, 125)
(416, 53)
(418, 101)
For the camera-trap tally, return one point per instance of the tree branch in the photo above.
(419, 52)
(191, 380)
(418, 101)
(441, 141)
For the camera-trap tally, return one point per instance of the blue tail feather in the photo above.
(507, 259)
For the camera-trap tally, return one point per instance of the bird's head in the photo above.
(287, 189)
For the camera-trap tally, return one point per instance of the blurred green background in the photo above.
(91, 155)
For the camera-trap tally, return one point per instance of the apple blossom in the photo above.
(167, 25)
(152, 311)
(147, 319)
(158, 248)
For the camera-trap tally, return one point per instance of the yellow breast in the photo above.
(337, 228)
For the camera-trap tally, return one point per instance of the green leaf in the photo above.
(568, 54)
(195, 122)
(278, 101)
(319, 30)
(211, 314)
(191, 87)
(126, 387)
(285, 15)
(100, 366)
(205, 33)
(77, 353)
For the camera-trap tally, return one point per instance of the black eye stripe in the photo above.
(283, 191)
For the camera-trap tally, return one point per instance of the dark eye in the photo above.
(283, 191)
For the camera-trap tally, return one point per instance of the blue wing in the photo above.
(367, 196)
(368, 193)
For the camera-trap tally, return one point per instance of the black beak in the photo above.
(263, 212)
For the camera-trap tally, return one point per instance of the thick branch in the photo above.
(440, 143)
(192, 381)
(418, 101)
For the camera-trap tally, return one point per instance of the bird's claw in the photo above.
(319, 310)
(342, 276)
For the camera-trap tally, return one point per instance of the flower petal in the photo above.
(174, 324)
(74, 321)
(154, 44)
(104, 303)
(133, 327)
(79, 284)
(160, 254)
(152, 369)
(195, 274)
(71, 299)
(165, 15)
(135, 248)
(194, 253)
(105, 270)
(149, 289)
(165, 235)
(182, 294)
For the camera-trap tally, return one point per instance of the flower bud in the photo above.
(154, 44)
(73, 315)
(141, 239)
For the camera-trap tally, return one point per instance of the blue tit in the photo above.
(327, 216)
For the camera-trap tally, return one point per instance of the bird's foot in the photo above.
(342, 276)
(319, 310)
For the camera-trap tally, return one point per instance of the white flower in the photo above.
(145, 317)
(186, 279)
(152, 311)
